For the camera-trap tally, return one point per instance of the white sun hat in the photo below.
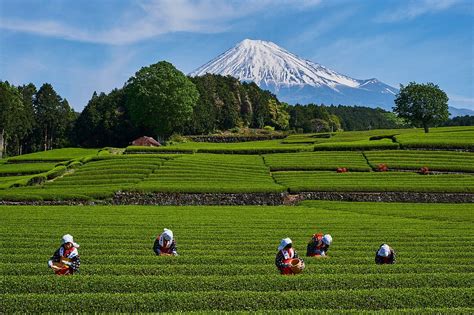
(327, 239)
(384, 250)
(67, 238)
(167, 234)
(284, 242)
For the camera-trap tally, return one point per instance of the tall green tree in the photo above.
(424, 105)
(24, 140)
(11, 108)
(49, 109)
(104, 122)
(161, 99)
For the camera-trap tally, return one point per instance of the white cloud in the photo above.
(158, 17)
(322, 26)
(416, 8)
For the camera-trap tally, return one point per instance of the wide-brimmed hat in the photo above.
(284, 242)
(167, 234)
(327, 239)
(67, 238)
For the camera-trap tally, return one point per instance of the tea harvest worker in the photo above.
(66, 261)
(165, 244)
(385, 255)
(287, 260)
(318, 245)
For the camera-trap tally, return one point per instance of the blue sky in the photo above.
(83, 46)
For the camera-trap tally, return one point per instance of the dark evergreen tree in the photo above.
(460, 121)
(48, 109)
(11, 110)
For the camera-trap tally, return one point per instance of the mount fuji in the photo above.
(296, 80)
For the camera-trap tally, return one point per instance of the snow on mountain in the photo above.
(267, 64)
(296, 80)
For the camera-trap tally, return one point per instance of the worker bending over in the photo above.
(318, 245)
(385, 255)
(65, 260)
(165, 244)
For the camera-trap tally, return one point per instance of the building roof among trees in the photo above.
(146, 141)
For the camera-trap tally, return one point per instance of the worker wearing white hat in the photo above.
(318, 245)
(165, 244)
(66, 261)
(286, 254)
(385, 255)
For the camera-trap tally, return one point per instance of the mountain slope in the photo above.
(296, 80)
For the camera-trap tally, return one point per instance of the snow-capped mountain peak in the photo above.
(297, 80)
(294, 79)
(266, 63)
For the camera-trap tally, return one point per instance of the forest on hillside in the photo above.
(160, 101)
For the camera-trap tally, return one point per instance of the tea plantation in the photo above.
(227, 254)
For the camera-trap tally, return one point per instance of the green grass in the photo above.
(414, 160)
(439, 138)
(374, 182)
(226, 260)
(209, 173)
(56, 155)
(100, 178)
(25, 168)
(383, 144)
(8, 181)
(248, 147)
(353, 161)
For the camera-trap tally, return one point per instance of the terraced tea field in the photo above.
(99, 178)
(202, 173)
(439, 138)
(298, 181)
(56, 155)
(414, 160)
(306, 161)
(227, 254)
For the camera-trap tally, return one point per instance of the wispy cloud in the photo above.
(112, 74)
(322, 26)
(414, 9)
(157, 17)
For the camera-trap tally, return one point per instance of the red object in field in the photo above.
(424, 170)
(382, 167)
(287, 270)
(146, 142)
(341, 170)
(61, 269)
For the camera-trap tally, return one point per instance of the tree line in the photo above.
(32, 120)
(159, 100)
